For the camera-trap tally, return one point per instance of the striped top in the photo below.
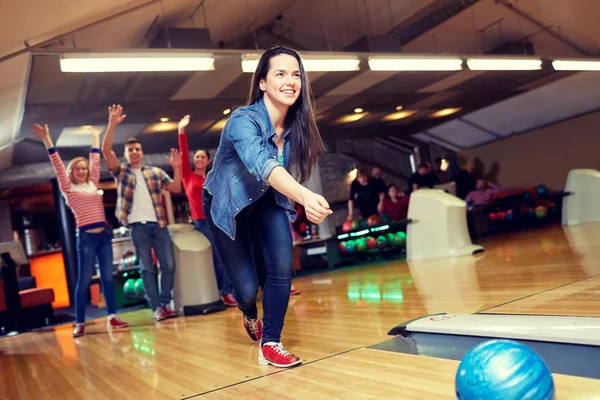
(82, 198)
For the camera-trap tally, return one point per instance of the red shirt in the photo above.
(193, 183)
(397, 211)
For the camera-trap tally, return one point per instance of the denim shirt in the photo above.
(246, 155)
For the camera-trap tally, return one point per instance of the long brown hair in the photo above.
(72, 165)
(307, 143)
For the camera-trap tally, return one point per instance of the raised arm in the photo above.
(174, 186)
(244, 135)
(184, 151)
(59, 167)
(115, 117)
(95, 156)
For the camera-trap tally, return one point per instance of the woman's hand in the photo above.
(185, 121)
(316, 207)
(40, 132)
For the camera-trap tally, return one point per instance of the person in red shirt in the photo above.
(396, 206)
(193, 184)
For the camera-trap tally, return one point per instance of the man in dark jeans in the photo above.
(139, 206)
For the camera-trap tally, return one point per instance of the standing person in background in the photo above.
(139, 206)
(246, 194)
(78, 184)
(193, 184)
(364, 194)
(379, 182)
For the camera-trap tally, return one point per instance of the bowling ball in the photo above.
(527, 195)
(371, 242)
(400, 239)
(503, 369)
(139, 287)
(363, 224)
(342, 247)
(356, 224)
(492, 217)
(361, 245)
(509, 215)
(374, 220)
(541, 191)
(390, 237)
(347, 226)
(382, 242)
(350, 246)
(129, 287)
(385, 218)
(501, 215)
(541, 212)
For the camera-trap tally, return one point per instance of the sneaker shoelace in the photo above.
(278, 347)
(253, 325)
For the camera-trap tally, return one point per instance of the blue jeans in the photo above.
(223, 281)
(92, 246)
(145, 237)
(261, 255)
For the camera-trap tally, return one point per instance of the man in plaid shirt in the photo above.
(139, 206)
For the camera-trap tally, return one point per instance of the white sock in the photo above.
(111, 316)
(78, 324)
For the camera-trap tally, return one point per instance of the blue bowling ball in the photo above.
(503, 369)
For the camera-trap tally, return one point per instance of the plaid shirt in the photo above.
(156, 179)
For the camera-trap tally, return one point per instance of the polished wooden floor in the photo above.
(338, 315)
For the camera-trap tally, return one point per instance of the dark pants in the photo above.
(222, 279)
(92, 246)
(146, 237)
(262, 228)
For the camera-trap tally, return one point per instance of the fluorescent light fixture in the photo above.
(576, 65)
(415, 64)
(503, 64)
(312, 64)
(135, 62)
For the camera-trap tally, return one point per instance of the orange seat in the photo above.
(36, 297)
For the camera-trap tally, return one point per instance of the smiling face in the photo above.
(283, 82)
(80, 172)
(201, 160)
(134, 153)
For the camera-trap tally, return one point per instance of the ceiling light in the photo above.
(576, 65)
(399, 115)
(445, 112)
(398, 108)
(312, 65)
(502, 64)
(415, 64)
(226, 111)
(135, 62)
(164, 120)
(358, 110)
(351, 118)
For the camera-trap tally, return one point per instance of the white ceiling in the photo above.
(316, 25)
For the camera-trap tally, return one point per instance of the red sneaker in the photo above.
(229, 300)
(295, 291)
(276, 355)
(116, 323)
(168, 311)
(253, 328)
(160, 314)
(79, 330)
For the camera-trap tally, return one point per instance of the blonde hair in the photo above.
(72, 165)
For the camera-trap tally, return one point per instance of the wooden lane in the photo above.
(375, 374)
(577, 299)
(338, 311)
